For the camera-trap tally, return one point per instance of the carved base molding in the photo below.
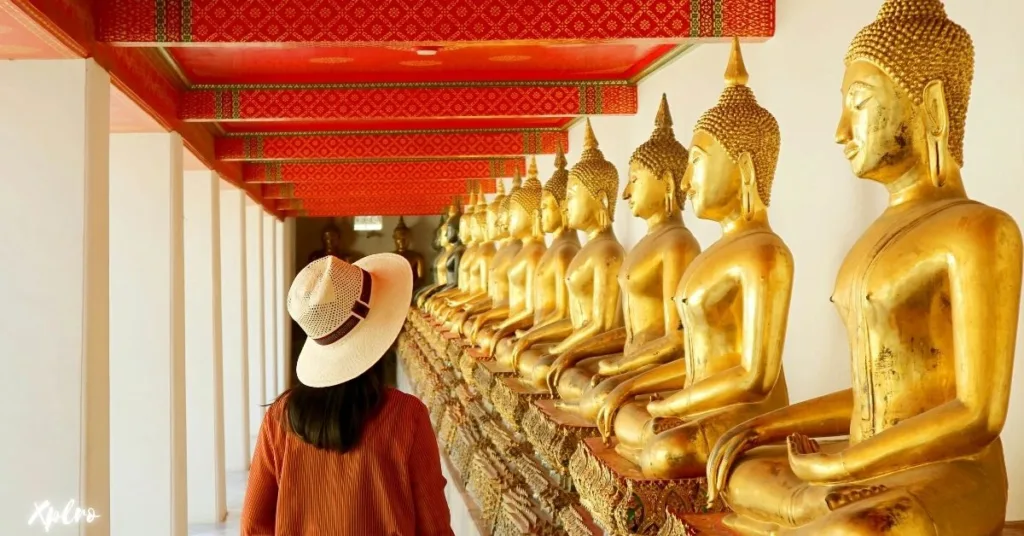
(623, 500)
(556, 434)
(511, 398)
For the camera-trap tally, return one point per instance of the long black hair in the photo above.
(333, 418)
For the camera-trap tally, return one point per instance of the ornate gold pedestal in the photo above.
(681, 524)
(487, 373)
(512, 397)
(623, 500)
(555, 434)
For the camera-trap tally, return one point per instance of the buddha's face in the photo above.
(519, 222)
(645, 191)
(503, 223)
(493, 223)
(713, 177)
(880, 129)
(464, 228)
(550, 213)
(582, 208)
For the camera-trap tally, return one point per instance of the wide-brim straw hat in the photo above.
(351, 313)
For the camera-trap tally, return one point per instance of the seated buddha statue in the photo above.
(506, 248)
(438, 269)
(403, 238)
(550, 296)
(732, 300)
(930, 295)
(447, 262)
(593, 290)
(524, 227)
(468, 236)
(487, 234)
(647, 279)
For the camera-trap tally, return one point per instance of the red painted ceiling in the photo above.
(319, 65)
(235, 64)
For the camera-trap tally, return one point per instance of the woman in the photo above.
(342, 454)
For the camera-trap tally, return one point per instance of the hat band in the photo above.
(360, 309)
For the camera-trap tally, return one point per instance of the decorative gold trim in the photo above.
(664, 61)
(281, 134)
(412, 85)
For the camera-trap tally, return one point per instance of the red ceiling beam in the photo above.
(340, 22)
(377, 192)
(354, 101)
(398, 144)
(394, 171)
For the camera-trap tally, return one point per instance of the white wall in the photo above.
(818, 207)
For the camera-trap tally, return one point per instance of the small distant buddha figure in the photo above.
(331, 240)
(402, 236)
(930, 297)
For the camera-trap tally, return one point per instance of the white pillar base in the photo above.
(204, 400)
(147, 344)
(234, 328)
(54, 135)
(254, 306)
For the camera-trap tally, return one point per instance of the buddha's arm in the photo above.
(603, 343)
(497, 313)
(522, 320)
(985, 299)
(658, 351)
(825, 416)
(546, 332)
(766, 290)
(668, 377)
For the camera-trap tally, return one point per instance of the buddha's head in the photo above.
(480, 229)
(905, 93)
(552, 201)
(734, 151)
(592, 189)
(656, 171)
(330, 237)
(467, 220)
(401, 235)
(496, 213)
(524, 206)
(450, 228)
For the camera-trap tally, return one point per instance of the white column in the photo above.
(285, 271)
(279, 306)
(147, 337)
(254, 307)
(204, 374)
(233, 329)
(54, 124)
(269, 308)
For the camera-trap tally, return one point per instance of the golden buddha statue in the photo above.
(647, 279)
(591, 277)
(550, 300)
(733, 301)
(447, 262)
(402, 236)
(487, 232)
(930, 295)
(468, 236)
(524, 227)
(506, 248)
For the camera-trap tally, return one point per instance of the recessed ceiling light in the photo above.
(419, 63)
(332, 59)
(427, 51)
(509, 58)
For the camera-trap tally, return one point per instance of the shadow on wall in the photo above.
(309, 239)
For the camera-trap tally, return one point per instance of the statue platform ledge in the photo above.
(626, 502)
(555, 434)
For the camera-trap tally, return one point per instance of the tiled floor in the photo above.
(235, 493)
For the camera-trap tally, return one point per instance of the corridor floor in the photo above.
(235, 488)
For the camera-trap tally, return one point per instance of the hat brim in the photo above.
(344, 360)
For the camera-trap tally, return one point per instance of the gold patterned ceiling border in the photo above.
(410, 85)
(399, 132)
